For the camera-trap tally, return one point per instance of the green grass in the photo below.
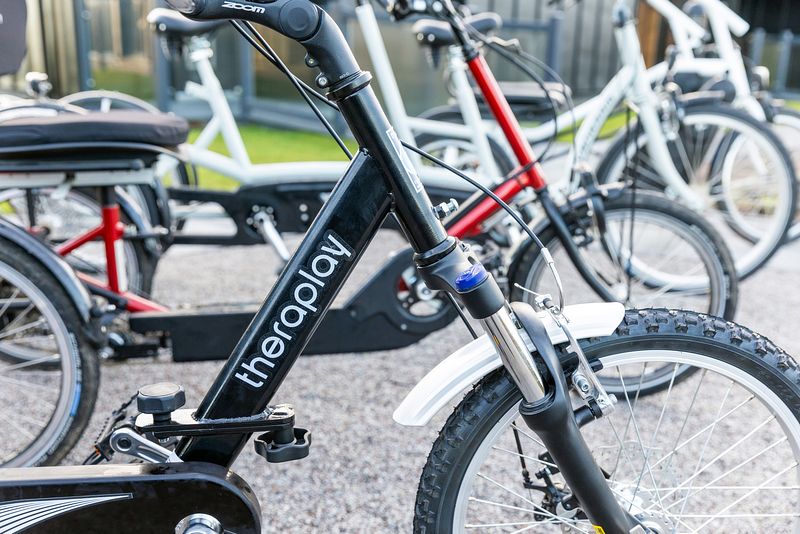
(127, 82)
(794, 104)
(268, 145)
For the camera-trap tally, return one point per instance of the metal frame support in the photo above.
(83, 45)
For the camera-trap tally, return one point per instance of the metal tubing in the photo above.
(471, 114)
(516, 356)
(294, 308)
(112, 233)
(553, 420)
(565, 236)
(372, 130)
(508, 122)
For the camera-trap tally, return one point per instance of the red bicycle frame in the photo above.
(470, 223)
(111, 231)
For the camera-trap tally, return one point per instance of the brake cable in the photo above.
(509, 57)
(263, 47)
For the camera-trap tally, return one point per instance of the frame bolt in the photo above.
(445, 208)
(581, 383)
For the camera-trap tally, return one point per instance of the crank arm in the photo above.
(126, 441)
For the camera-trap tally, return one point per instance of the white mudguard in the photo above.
(475, 360)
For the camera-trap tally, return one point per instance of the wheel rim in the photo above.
(695, 472)
(753, 173)
(51, 400)
(683, 286)
(787, 127)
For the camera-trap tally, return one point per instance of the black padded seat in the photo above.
(112, 127)
(436, 33)
(172, 23)
(530, 94)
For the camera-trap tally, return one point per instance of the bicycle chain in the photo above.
(117, 415)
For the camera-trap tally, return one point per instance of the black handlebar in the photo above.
(300, 20)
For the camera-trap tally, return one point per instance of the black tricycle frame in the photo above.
(380, 181)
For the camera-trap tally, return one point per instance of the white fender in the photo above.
(478, 358)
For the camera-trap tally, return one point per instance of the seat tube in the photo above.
(113, 231)
(384, 73)
(472, 114)
(201, 57)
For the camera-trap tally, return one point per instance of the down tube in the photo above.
(294, 308)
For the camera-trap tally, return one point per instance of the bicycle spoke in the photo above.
(29, 363)
(538, 508)
(746, 495)
(525, 456)
(19, 329)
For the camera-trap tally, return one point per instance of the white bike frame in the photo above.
(723, 23)
(632, 82)
(239, 168)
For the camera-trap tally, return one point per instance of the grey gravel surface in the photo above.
(363, 469)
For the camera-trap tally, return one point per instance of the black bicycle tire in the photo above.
(496, 394)
(86, 366)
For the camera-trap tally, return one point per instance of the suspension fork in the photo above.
(547, 411)
(546, 408)
(553, 420)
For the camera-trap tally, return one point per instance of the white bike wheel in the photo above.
(64, 218)
(49, 371)
(786, 124)
(736, 166)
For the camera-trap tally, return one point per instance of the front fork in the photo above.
(546, 407)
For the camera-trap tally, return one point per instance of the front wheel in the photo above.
(717, 453)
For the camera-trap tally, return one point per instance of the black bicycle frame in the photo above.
(380, 180)
(295, 306)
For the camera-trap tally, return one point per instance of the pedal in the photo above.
(285, 445)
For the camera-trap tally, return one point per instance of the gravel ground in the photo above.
(363, 470)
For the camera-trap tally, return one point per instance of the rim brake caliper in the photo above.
(584, 378)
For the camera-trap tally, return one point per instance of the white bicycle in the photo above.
(714, 158)
(704, 64)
